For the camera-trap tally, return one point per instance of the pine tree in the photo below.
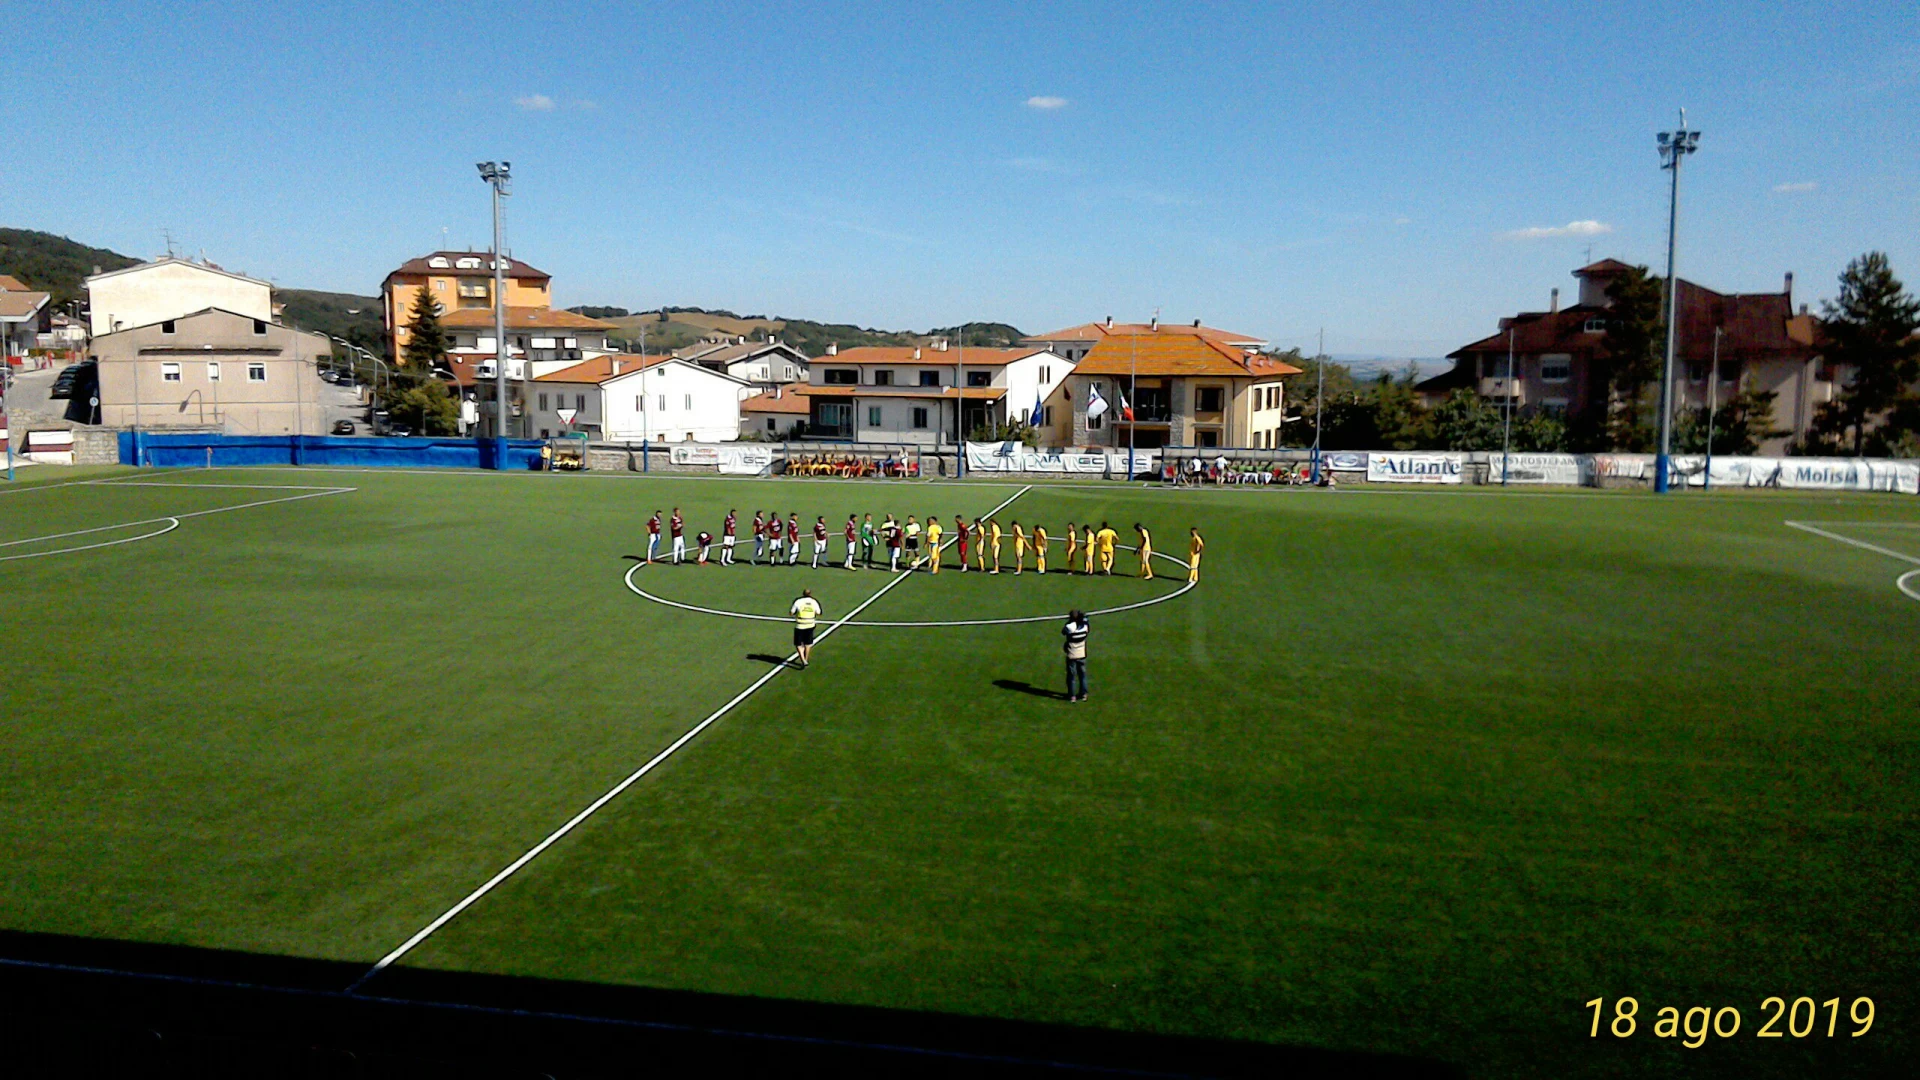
(1870, 332)
(427, 340)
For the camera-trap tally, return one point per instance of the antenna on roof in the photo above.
(168, 236)
(1589, 261)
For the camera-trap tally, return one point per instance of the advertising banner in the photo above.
(1414, 467)
(1018, 457)
(1819, 474)
(1571, 470)
(1624, 466)
(1345, 461)
(744, 459)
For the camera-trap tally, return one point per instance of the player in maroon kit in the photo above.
(853, 540)
(726, 540)
(677, 525)
(653, 535)
(759, 536)
(774, 529)
(793, 539)
(819, 539)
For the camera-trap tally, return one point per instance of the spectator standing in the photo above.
(1074, 635)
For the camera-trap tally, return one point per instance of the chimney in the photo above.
(1789, 289)
(1196, 324)
(1803, 309)
(1154, 326)
(616, 367)
(1109, 322)
(1553, 306)
(916, 352)
(941, 345)
(833, 348)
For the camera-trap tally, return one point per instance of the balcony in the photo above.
(1501, 388)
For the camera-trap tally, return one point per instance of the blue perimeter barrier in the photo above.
(190, 451)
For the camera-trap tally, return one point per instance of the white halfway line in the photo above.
(612, 793)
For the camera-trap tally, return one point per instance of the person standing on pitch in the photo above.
(1074, 634)
(933, 542)
(1090, 548)
(1040, 548)
(1146, 551)
(819, 539)
(866, 540)
(960, 537)
(759, 537)
(980, 545)
(705, 542)
(912, 534)
(726, 538)
(890, 532)
(793, 538)
(853, 540)
(773, 538)
(653, 535)
(1073, 546)
(993, 539)
(678, 527)
(1107, 538)
(1019, 548)
(806, 613)
(1195, 546)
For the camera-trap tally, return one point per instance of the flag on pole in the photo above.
(1126, 410)
(1039, 409)
(1096, 405)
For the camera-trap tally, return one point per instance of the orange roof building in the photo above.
(1075, 342)
(1182, 388)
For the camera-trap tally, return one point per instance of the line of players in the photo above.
(774, 538)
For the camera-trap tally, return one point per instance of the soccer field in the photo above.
(1408, 771)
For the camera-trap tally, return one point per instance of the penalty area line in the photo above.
(614, 792)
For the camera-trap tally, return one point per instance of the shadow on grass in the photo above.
(1028, 688)
(767, 658)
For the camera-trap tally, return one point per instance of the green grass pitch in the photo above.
(1418, 772)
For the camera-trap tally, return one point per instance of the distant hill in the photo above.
(358, 319)
(677, 327)
(54, 263)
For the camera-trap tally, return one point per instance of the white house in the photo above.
(915, 394)
(627, 398)
(766, 364)
(168, 289)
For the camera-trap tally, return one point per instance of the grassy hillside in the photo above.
(54, 263)
(343, 315)
(673, 328)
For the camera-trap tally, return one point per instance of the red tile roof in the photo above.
(9, 283)
(521, 318)
(601, 368)
(1098, 330)
(929, 357)
(793, 401)
(1161, 353)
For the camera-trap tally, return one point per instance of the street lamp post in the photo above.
(498, 176)
(1319, 401)
(1674, 146)
(1713, 394)
(1506, 423)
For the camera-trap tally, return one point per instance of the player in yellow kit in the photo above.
(1195, 546)
(1090, 549)
(1107, 538)
(933, 543)
(980, 545)
(1146, 551)
(1019, 548)
(1040, 548)
(993, 537)
(1073, 546)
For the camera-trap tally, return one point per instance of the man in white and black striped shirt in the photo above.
(1075, 635)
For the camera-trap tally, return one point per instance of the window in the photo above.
(873, 416)
(167, 327)
(639, 403)
(763, 371)
(883, 377)
(979, 378)
(1046, 415)
(929, 378)
(837, 376)
(1595, 326)
(580, 402)
(663, 403)
(260, 327)
(1556, 368)
(1046, 374)
(769, 423)
(920, 417)
(543, 402)
(170, 372)
(545, 434)
(1207, 399)
(256, 372)
(1729, 371)
(213, 371)
(789, 371)
(689, 402)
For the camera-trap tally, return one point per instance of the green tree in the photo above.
(1870, 333)
(1302, 392)
(1631, 360)
(1740, 424)
(425, 406)
(427, 340)
(1465, 421)
(1542, 433)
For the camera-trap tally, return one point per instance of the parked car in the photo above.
(343, 427)
(63, 382)
(400, 431)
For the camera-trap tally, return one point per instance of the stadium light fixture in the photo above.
(1674, 146)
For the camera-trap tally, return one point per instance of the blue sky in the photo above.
(1267, 169)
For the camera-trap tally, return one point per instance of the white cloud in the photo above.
(1044, 101)
(1571, 228)
(535, 103)
(1796, 188)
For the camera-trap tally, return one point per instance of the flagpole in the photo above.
(1133, 368)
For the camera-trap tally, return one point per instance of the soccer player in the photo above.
(960, 537)
(806, 612)
(853, 540)
(1090, 548)
(1040, 548)
(774, 529)
(1146, 551)
(726, 538)
(890, 532)
(819, 539)
(1073, 546)
(1195, 546)
(653, 535)
(1107, 538)
(980, 545)
(933, 542)
(705, 540)
(793, 538)
(1019, 548)
(759, 537)
(1074, 635)
(678, 527)
(866, 540)
(993, 537)
(913, 542)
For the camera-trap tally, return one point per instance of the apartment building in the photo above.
(1176, 386)
(934, 394)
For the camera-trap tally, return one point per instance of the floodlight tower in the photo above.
(498, 176)
(1674, 145)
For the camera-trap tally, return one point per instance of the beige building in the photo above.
(169, 288)
(225, 370)
(1182, 387)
